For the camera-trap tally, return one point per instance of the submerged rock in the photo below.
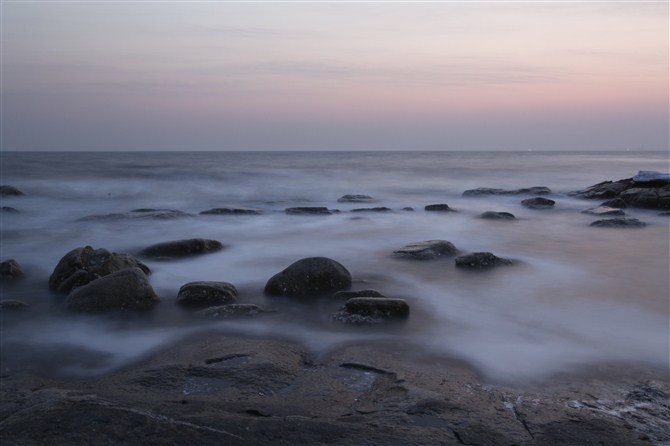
(9, 209)
(480, 260)
(309, 210)
(158, 214)
(492, 215)
(604, 210)
(206, 294)
(649, 198)
(232, 311)
(83, 265)
(617, 203)
(309, 276)
(10, 269)
(6, 190)
(441, 207)
(230, 211)
(538, 203)
(370, 310)
(353, 198)
(427, 250)
(358, 293)
(127, 289)
(619, 222)
(181, 248)
(377, 209)
(535, 190)
(12, 305)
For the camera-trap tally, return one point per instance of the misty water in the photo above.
(576, 295)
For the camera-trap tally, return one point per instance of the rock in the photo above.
(536, 190)
(9, 209)
(230, 211)
(359, 293)
(10, 269)
(306, 210)
(206, 294)
(647, 189)
(650, 198)
(408, 209)
(664, 214)
(370, 310)
(309, 276)
(442, 207)
(83, 265)
(428, 250)
(127, 289)
(615, 203)
(619, 222)
(492, 215)
(349, 198)
(377, 209)
(232, 311)
(144, 213)
(604, 210)
(604, 190)
(12, 305)
(181, 248)
(650, 176)
(6, 190)
(480, 260)
(538, 203)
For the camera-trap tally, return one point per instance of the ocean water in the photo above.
(576, 296)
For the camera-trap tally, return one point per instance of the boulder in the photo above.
(232, 311)
(360, 293)
(619, 222)
(353, 198)
(206, 294)
(308, 210)
(377, 209)
(12, 305)
(83, 265)
(371, 310)
(427, 250)
(10, 269)
(230, 211)
(650, 198)
(604, 190)
(604, 210)
(6, 190)
(492, 215)
(647, 189)
(309, 276)
(127, 289)
(181, 248)
(442, 207)
(477, 260)
(536, 190)
(538, 203)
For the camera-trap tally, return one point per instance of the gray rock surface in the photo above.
(10, 269)
(355, 198)
(478, 260)
(308, 277)
(231, 211)
(83, 265)
(536, 190)
(645, 190)
(152, 214)
(619, 222)
(206, 294)
(7, 191)
(538, 203)
(440, 207)
(231, 311)
(493, 215)
(309, 210)
(376, 209)
(357, 293)
(181, 248)
(372, 310)
(427, 250)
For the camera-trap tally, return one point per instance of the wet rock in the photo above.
(441, 207)
(145, 213)
(181, 248)
(366, 310)
(206, 294)
(352, 198)
(492, 215)
(9, 209)
(10, 269)
(83, 265)
(652, 177)
(619, 222)
(6, 190)
(12, 305)
(308, 210)
(427, 250)
(603, 190)
(647, 189)
(480, 260)
(230, 311)
(230, 211)
(617, 203)
(649, 198)
(408, 209)
(377, 209)
(604, 210)
(309, 276)
(127, 289)
(358, 293)
(538, 203)
(536, 190)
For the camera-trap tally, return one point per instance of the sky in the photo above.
(338, 75)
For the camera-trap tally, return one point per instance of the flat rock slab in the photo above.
(355, 198)
(619, 222)
(538, 203)
(309, 210)
(230, 311)
(493, 215)
(149, 214)
(604, 210)
(479, 260)
(231, 211)
(181, 248)
(372, 310)
(440, 207)
(427, 250)
(535, 190)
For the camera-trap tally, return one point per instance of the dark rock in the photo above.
(650, 198)
(232, 311)
(83, 265)
(350, 198)
(604, 190)
(307, 210)
(127, 289)
(442, 207)
(6, 190)
(359, 293)
(230, 211)
(615, 203)
(664, 214)
(9, 209)
(408, 209)
(428, 250)
(378, 209)
(366, 310)
(10, 269)
(144, 213)
(492, 215)
(645, 190)
(536, 190)
(206, 294)
(309, 276)
(604, 210)
(181, 248)
(480, 260)
(619, 222)
(12, 305)
(650, 177)
(538, 203)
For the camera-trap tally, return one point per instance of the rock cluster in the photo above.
(647, 189)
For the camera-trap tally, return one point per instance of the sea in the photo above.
(576, 296)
